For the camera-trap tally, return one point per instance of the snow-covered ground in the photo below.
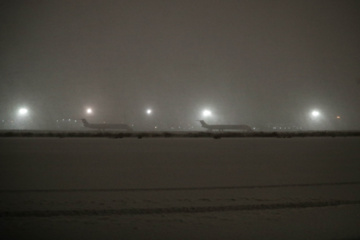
(180, 188)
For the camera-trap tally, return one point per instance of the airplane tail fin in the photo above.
(203, 123)
(85, 122)
(248, 128)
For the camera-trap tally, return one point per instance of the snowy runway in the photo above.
(180, 188)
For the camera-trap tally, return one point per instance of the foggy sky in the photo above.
(249, 61)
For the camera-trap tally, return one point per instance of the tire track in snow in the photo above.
(174, 210)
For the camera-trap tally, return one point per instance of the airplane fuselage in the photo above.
(103, 126)
(108, 126)
(223, 127)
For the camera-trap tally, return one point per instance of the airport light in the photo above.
(89, 111)
(315, 114)
(23, 111)
(22, 118)
(207, 113)
(316, 117)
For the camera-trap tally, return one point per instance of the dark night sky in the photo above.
(248, 61)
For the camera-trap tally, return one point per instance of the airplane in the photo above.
(225, 127)
(103, 126)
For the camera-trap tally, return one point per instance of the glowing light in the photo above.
(23, 111)
(338, 117)
(206, 113)
(315, 113)
(148, 111)
(89, 111)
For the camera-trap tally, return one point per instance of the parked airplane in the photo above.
(103, 126)
(225, 127)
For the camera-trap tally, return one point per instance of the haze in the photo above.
(251, 62)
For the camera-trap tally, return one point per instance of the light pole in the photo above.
(149, 121)
(22, 116)
(315, 119)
